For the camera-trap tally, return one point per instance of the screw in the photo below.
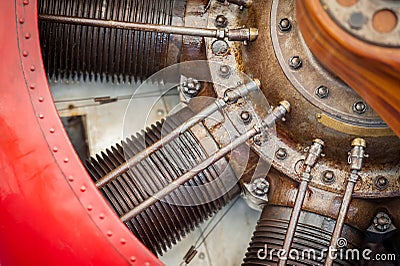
(381, 182)
(285, 25)
(221, 21)
(246, 117)
(360, 107)
(322, 92)
(295, 62)
(191, 87)
(328, 177)
(260, 187)
(356, 20)
(382, 222)
(281, 154)
(224, 71)
(220, 47)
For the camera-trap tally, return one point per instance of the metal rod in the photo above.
(189, 175)
(249, 34)
(231, 96)
(356, 157)
(278, 113)
(314, 153)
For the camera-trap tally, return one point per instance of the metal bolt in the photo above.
(246, 117)
(360, 107)
(322, 92)
(328, 177)
(220, 47)
(224, 71)
(221, 21)
(281, 154)
(258, 140)
(381, 182)
(356, 20)
(382, 222)
(191, 87)
(285, 25)
(295, 62)
(260, 187)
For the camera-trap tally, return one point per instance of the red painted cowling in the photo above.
(50, 211)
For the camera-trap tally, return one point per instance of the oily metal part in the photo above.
(117, 55)
(165, 222)
(313, 233)
(302, 125)
(373, 21)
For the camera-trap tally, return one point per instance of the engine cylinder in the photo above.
(169, 219)
(118, 55)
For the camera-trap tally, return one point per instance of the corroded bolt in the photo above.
(260, 187)
(295, 62)
(285, 25)
(322, 92)
(221, 21)
(281, 154)
(360, 107)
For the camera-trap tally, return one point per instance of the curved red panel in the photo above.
(51, 212)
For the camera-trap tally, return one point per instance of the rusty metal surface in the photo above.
(259, 60)
(362, 19)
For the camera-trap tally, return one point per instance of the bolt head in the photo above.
(360, 107)
(220, 47)
(322, 92)
(328, 177)
(281, 154)
(260, 187)
(285, 25)
(225, 71)
(221, 21)
(382, 222)
(381, 182)
(191, 87)
(295, 62)
(246, 117)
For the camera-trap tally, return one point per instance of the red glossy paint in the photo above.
(50, 211)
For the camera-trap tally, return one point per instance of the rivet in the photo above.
(102, 216)
(360, 107)
(123, 241)
(109, 233)
(66, 160)
(41, 99)
(328, 177)
(32, 87)
(52, 130)
(28, 36)
(83, 188)
(26, 2)
(133, 259)
(55, 149)
(90, 208)
(21, 20)
(25, 53)
(71, 178)
(221, 21)
(33, 68)
(41, 116)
